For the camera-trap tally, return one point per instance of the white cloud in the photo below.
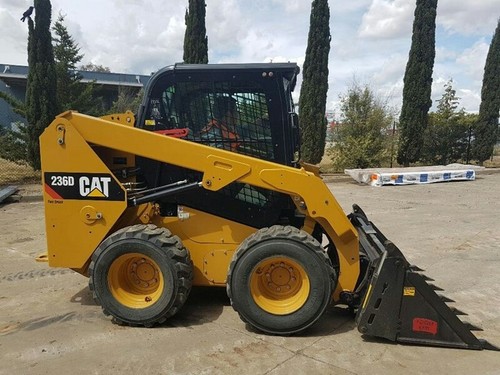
(346, 7)
(469, 99)
(136, 37)
(370, 38)
(467, 72)
(444, 54)
(472, 60)
(294, 6)
(13, 42)
(438, 87)
(468, 17)
(227, 26)
(387, 19)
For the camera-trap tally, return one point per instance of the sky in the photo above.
(370, 39)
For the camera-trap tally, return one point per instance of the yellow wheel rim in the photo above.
(279, 285)
(135, 281)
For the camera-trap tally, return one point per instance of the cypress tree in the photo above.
(312, 101)
(486, 130)
(195, 38)
(41, 102)
(418, 83)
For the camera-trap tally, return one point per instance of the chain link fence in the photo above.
(17, 173)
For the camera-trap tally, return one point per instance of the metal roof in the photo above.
(17, 75)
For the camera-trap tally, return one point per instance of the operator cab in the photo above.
(184, 100)
(242, 108)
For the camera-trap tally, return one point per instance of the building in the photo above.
(13, 79)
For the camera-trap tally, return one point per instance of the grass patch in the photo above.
(493, 162)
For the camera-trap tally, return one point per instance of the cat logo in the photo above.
(100, 186)
(94, 187)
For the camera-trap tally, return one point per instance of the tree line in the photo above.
(54, 86)
(369, 134)
(366, 135)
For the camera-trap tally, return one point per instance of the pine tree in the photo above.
(41, 92)
(486, 130)
(417, 83)
(312, 101)
(195, 38)
(66, 55)
(71, 92)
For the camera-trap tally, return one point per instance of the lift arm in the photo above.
(219, 168)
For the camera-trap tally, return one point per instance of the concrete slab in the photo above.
(50, 324)
(7, 191)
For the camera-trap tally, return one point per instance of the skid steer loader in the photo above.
(204, 188)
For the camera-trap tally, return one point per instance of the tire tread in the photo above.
(173, 248)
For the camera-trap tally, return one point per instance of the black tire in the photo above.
(280, 280)
(141, 275)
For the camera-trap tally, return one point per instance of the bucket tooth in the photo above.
(457, 311)
(426, 278)
(436, 288)
(445, 299)
(415, 268)
(472, 327)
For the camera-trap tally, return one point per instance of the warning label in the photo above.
(409, 291)
(425, 326)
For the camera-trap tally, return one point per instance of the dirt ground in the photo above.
(49, 323)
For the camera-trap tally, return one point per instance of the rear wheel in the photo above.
(141, 275)
(280, 280)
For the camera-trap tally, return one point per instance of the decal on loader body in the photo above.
(425, 326)
(409, 291)
(100, 186)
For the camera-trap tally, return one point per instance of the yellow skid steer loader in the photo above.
(204, 188)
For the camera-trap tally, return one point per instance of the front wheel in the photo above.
(280, 280)
(141, 275)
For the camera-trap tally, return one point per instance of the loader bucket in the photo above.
(399, 304)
